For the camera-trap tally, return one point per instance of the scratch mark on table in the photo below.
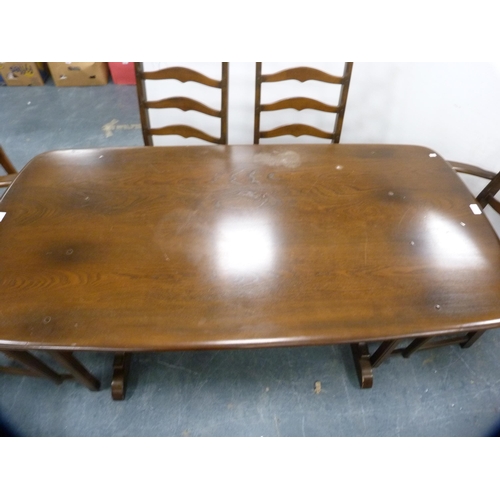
(366, 244)
(401, 220)
(252, 177)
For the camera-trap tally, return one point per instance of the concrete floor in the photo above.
(268, 392)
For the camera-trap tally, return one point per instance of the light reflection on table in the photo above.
(245, 245)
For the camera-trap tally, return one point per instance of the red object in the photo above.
(123, 73)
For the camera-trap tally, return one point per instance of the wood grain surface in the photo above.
(241, 246)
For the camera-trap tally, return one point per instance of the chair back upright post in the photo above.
(143, 110)
(301, 74)
(183, 103)
(344, 92)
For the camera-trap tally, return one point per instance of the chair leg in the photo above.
(6, 163)
(77, 370)
(425, 342)
(121, 365)
(34, 365)
(415, 345)
(472, 337)
(383, 352)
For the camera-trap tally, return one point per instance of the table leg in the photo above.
(362, 363)
(77, 370)
(121, 365)
(34, 365)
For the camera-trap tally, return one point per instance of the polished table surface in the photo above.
(163, 248)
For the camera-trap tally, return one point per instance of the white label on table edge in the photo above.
(2, 215)
(475, 209)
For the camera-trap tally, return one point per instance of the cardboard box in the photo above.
(123, 73)
(77, 74)
(23, 73)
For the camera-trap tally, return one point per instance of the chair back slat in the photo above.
(302, 74)
(184, 131)
(184, 104)
(182, 75)
(299, 103)
(296, 130)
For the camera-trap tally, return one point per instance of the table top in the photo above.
(158, 248)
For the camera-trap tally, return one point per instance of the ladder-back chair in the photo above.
(183, 103)
(302, 74)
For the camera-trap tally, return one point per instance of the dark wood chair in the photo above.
(183, 103)
(6, 180)
(301, 74)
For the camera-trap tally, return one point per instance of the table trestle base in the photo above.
(362, 363)
(121, 365)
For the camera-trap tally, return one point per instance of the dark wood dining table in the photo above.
(221, 247)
